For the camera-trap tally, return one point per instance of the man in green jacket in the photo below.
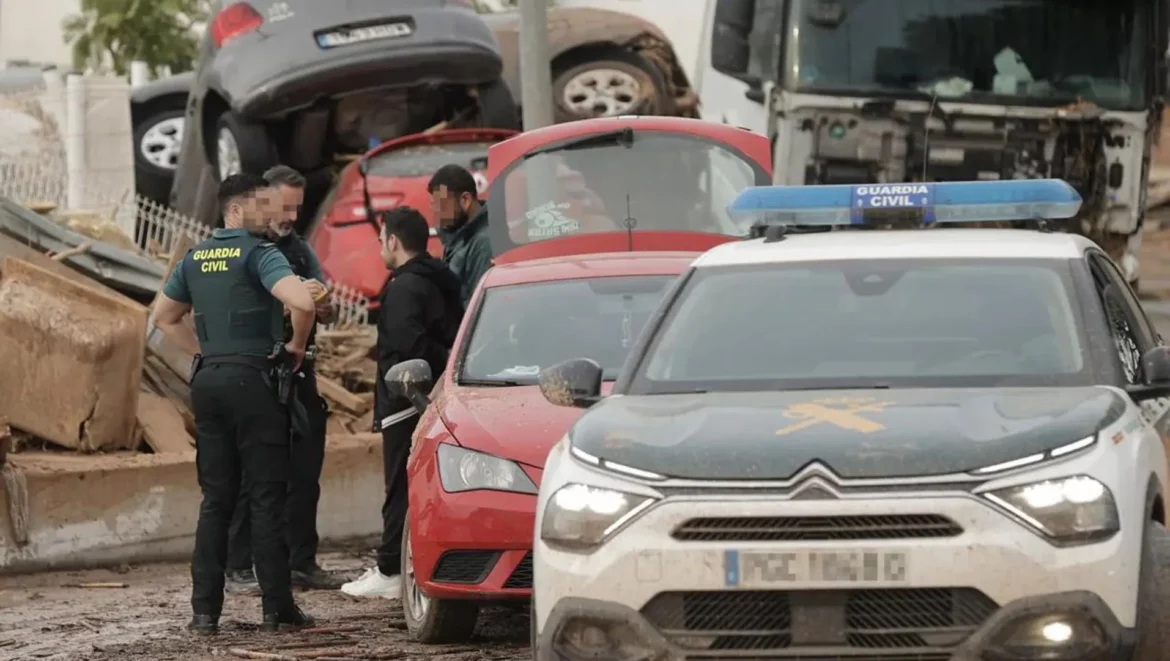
(463, 226)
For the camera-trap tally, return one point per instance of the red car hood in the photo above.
(515, 423)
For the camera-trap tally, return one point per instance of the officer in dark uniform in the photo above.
(308, 444)
(235, 283)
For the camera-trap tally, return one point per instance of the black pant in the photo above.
(395, 453)
(304, 491)
(240, 426)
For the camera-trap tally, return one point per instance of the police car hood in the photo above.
(855, 433)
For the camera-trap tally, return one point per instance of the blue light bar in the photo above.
(947, 202)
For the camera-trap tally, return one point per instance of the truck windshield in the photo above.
(1032, 52)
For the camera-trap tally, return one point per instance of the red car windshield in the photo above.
(520, 329)
(661, 180)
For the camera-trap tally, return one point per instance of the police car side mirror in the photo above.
(411, 379)
(575, 382)
(1155, 375)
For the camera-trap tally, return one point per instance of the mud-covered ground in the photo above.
(48, 617)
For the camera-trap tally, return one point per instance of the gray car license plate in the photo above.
(345, 37)
(770, 568)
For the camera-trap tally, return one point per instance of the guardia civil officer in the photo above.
(234, 283)
(308, 444)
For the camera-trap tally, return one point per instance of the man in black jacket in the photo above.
(421, 310)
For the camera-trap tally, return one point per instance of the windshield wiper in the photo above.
(623, 137)
(490, 383)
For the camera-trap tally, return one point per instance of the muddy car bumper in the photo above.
(696, 595)
(580, 629)
(347, 73)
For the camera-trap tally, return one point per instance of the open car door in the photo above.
(617, 184)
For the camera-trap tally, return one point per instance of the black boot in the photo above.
(315, 578)
(286, 619)
(204, 625)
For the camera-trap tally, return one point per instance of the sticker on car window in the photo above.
(549, 220)
(519, 370)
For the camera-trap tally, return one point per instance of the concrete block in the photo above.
(69, 511)
(71, 359)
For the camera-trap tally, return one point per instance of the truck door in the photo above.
(742, 52)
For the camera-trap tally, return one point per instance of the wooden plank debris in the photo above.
(163, 426)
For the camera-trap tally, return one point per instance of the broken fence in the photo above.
(158, 227)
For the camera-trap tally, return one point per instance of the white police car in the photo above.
(886, 445)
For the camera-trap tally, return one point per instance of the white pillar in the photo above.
(139, 73)
(75, 141)
(53, 99)
(535, 65)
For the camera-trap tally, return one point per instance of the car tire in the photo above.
(1154, 596)
(432, 620)
(497, 107)
(241, 145)
(157, 141)
(608, 83)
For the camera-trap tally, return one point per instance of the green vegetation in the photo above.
(107, 35)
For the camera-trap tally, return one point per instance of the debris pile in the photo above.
(86, 371)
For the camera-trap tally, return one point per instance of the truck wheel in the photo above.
(158, 138)
(242, 146)
(432, 620)
(608, 83)
(1154, 596)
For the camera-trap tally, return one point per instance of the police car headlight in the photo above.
(582, 517)
(461, 469)
(1071, 510)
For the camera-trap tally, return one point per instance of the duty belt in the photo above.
(259, 362)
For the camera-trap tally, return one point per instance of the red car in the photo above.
(480, 446)
(346, 241)
(590, 222)
(621, 183)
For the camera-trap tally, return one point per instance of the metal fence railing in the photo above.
(159, 227)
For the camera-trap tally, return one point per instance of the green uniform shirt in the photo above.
(228, 281)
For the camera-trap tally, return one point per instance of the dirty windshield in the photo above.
(1043, 52)
(663, 181)
(424, 160)
(853, 324)
(521, 329)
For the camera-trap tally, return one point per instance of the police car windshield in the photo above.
(521, 329)
(853, 324)
(1043, 52)
(664, 181)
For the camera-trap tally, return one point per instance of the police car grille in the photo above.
(521, 576)
(816, 528)
(464, 567)
(885, 624)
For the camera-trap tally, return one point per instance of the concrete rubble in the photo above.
(96, 431)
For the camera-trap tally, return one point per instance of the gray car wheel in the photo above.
(227, 153)
(610, 83)
(241, 145)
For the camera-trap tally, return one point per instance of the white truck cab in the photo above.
(861, 91)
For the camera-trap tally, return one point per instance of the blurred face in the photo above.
(286, 206)
(391, 250)
(451, 210)
(257, 209)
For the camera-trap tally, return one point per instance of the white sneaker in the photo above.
(374, 583)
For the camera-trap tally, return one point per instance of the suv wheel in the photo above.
(1154, 595)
